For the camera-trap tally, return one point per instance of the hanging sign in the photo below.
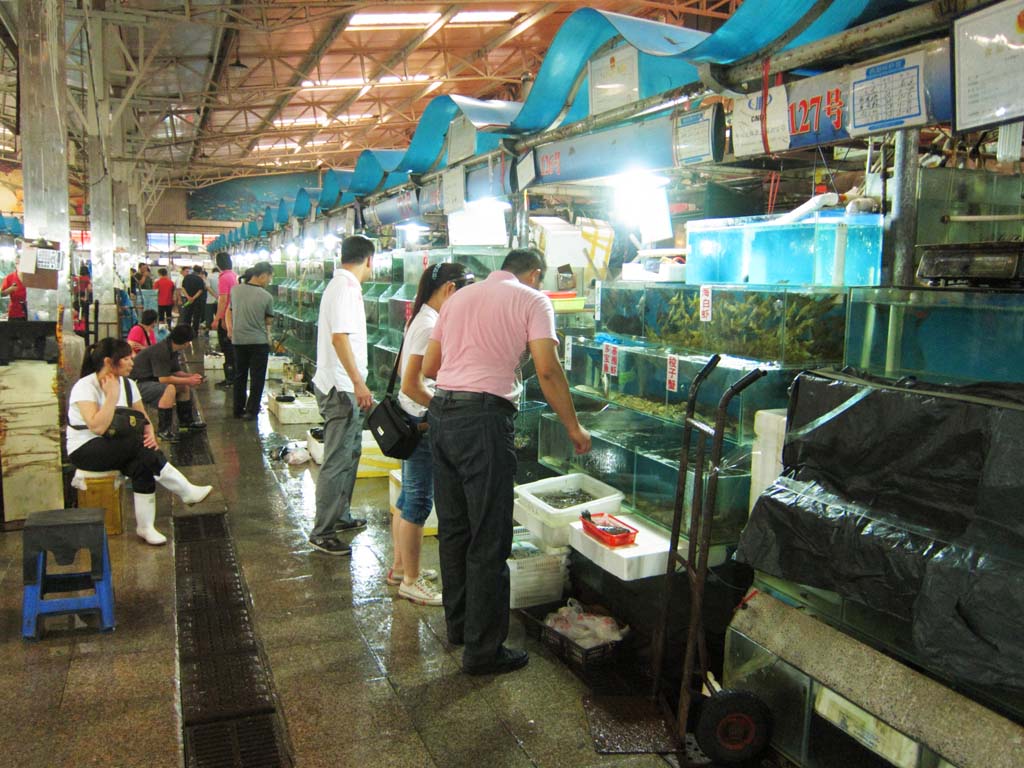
(747, 134)
(461, 139)
(988, 59)
(695, 137)
(454, 183)
(597, 301)
(614, 79)
(672, 374)
(887, 95)
(818, 109)
(705, 303)
(48, 258)
(610, 359)
(526, 170)
(567, 362)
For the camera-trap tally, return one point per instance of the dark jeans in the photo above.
(208, 314)
(103, 454)
(251, 363)
(164, 312)
(474, 472)
(228, 350)
(192, 315)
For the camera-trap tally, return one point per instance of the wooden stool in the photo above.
(106, 491)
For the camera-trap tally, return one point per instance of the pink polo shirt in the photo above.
(483, 331)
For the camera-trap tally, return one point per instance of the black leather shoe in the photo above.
(507, 660)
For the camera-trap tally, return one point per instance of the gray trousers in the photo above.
(343, 447)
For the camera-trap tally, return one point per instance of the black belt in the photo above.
(472, 397)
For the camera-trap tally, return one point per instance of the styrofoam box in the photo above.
(537, 580)
(648, 556)
(547, 535)
(213, 364)
(373, 463)
(606, 498)
(766, 458)
(275, 365)
(395, 489)
(303, 410)
(315, 448)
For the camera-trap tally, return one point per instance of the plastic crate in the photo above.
(583, 659)
(593, 528)
(606, 499)
(148, 297)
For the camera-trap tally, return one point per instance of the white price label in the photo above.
(567, 361)
(597, 301)
(748, 137)
(887, 95)
(610, 359)
(672, 374)
(705, 303)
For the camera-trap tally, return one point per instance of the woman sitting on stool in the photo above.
(103, 387)
(144, 334)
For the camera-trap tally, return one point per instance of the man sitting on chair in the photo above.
(163, 383)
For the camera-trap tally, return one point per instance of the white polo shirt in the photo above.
(341, 311)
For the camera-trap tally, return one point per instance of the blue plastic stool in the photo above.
(63, 532)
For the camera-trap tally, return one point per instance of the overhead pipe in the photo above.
(934, 16)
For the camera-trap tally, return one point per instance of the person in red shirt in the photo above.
(13, 288)
(164, 295)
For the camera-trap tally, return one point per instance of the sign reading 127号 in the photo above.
(889, 94)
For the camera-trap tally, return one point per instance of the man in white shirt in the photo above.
(342, 394)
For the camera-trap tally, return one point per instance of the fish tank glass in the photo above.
(956, 191)
(822, 248)
(620, 308)
(790, 326)
(937, 335)
(371, 295)
(481, 260)
(400, 304)
(641, 384)
(382, 359)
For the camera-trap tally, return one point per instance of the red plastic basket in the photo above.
(610, 539)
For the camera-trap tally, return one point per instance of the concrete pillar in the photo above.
(44, 137)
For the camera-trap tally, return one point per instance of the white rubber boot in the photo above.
(175, 482)
(145, 514)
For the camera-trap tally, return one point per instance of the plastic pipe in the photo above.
(816, 203)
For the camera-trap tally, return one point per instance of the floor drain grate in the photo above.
(214, 632)
(200, 528)
(209, 556)
(210, 591)
(249, 742)
(223, 687)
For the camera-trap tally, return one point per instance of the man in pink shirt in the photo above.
(474, 355)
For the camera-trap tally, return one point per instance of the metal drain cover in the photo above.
(200, 528)
(205, 591)
(248, 742)
(214, 632)
(224, 687)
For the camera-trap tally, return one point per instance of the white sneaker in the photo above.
(394, 578)
(421, 592)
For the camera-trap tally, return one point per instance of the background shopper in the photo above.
(227, 280)
(248, 318)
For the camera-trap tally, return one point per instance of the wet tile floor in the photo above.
(364, 678)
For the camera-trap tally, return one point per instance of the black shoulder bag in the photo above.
(126, 422)
(395, 436)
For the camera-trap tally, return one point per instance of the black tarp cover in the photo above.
(910, 501)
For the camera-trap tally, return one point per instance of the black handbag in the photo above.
(126, 421)
(393, 433)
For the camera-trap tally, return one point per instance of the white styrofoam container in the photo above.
(606, 498)
(766, 456)
(213, 364)
(546, 534)
(303, 410)
(648, 556)
(275, 366)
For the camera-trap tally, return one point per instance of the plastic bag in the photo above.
(297, 456)
(587, 630)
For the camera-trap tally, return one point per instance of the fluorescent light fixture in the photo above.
(331, 241)
(393, 19)
(289, 122)
(641, 202)
(292, 250)
(308, 246)
(339, 83)
(484, 17)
